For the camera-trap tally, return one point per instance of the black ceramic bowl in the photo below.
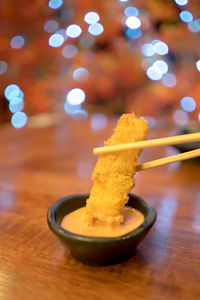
(98, 250)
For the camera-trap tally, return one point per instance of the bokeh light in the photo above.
(73, 31)
(194, 26)
(3, 67)
(180, 117)
(123, 0)
(17, 42)
(69, 51)
(80, 74)
(19, 120)
(80, 115)
(62, 32)
(51, 26)
(70, 109)
(198, 65)
(56, 40)
(98, 122)
(148, 49)
(9, 89)
(186, 16)
(133, 22)
(133, 34)
(75, 96)
(15, 93)
(131, 11)
(188, 104)
(169, 80)
(154, 73)
(161, 48)
(16, 104)
(162, 65)
(199, 117)
(91, 17)
(181, 2)
(96, 29)
(55, 4)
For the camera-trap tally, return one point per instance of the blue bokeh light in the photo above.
(96, 29)
(19, 120)
(17, 42)
(73, 31)
(133, 22)
(56, 40)
(16, 104)
(194, 26)
(75, 96)
(15, 93)
(3, 67)
(131, 11)
(180, 117)
(70, 109)
(91, 17)
(9, 89)
(161, 48)
(80, 74)
(162, 65)
(148, 49)
(154, 73)
(199, 117)
(69, 51)
(80, 114)
(198, 65)
(181, 2)
(186, 16)
(188, 104)
(51, 26)
(55, 4)
(133, 34)
(169, 80)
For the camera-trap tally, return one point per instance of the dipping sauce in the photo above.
(74, 222)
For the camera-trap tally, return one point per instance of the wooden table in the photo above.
(39, 166)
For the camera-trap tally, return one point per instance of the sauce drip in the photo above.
(74, 222)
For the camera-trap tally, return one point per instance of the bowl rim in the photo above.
(57, 229)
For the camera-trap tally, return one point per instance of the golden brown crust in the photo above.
(113, 174)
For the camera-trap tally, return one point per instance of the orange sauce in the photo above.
(74, 222)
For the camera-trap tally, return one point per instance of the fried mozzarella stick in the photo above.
(113, 175)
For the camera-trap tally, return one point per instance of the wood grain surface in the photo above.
(39, 166)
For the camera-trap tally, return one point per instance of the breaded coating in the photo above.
(113, 175)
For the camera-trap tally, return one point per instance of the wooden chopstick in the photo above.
(172, 140)
(168, 160)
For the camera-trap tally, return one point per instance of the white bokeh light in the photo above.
(161, 48)
(80, 74)
(133, 22)
(96, 29)
(162, 65)
(154, 73)
(181, 2)
(56, 40)
(198, 65)
(148, 49)
(73, 31)
(91, 17)
(75, 96)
